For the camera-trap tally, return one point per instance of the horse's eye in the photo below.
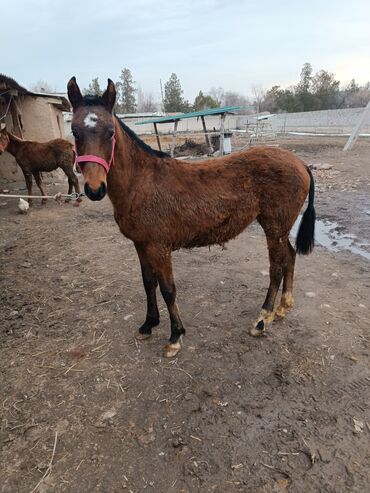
(75, 134)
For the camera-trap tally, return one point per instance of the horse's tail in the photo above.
(306, 233)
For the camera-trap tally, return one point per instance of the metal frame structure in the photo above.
(222, 112)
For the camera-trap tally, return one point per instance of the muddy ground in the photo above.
(88, 409)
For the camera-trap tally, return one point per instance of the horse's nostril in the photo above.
(102, 189)
(95, 194)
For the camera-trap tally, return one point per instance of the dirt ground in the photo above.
(86, 408)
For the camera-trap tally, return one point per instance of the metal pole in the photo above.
(354, 136)
(174, 138)
(222, 131)
(157, 135)
(208, 142)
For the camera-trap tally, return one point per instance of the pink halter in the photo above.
(96, 159)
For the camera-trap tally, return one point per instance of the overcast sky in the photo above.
(207, 43)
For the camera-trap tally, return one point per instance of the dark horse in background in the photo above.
(162, 204)
(35, 158)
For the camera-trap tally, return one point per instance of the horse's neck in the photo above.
(14, 144)
(130, 161)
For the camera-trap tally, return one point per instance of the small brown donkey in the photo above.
(162, 204)
(37, 157)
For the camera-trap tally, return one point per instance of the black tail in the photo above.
(306, 233)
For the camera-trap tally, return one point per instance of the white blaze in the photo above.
(91, 120)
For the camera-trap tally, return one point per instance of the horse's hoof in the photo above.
(142, 337)
(170, 350)
(259, 327)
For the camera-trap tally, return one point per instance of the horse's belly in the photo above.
(47, 167)
(219, 234)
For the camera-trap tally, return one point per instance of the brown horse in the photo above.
(37, 157)
(162, 204)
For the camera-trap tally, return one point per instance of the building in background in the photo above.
(29, 115)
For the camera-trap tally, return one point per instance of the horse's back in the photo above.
(47, 156)
(265, 183)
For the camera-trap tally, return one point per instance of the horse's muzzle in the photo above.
(98, 194)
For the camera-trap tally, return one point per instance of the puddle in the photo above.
(329, 235)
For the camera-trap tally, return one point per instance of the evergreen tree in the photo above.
(326, 90)
(352, 86)
(319, 91)
(305, 101)
(203, 101)
(173, 99)
(94, 88)
(304, 84)
(126, 101)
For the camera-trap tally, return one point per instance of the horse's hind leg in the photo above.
(168, 290)
(287, 301)
(28, 178)
(150, 285)
(278, 252)
(39, 183)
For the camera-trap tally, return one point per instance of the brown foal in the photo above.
(37, 157)
(162, 204)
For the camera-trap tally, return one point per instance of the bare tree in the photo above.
(145, 101)
(42, 86)
(217, 93)
(231, 98)
(259, 94)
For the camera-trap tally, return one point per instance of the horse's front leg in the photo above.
(150, 285)
(159, 258)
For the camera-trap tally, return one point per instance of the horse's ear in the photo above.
(109, 96)
(74, 93)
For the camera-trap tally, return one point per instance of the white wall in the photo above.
(326, 121)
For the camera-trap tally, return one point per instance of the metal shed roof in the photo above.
(193, 114)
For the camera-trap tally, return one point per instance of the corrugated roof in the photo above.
(58, 99)
(193, 114)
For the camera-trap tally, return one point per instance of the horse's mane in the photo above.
(92, 100)
(140, 142)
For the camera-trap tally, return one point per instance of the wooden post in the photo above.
(157, 135)
(222, 131)
(174, 138)
(17, 127)
(208, 142)
(354, 136)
